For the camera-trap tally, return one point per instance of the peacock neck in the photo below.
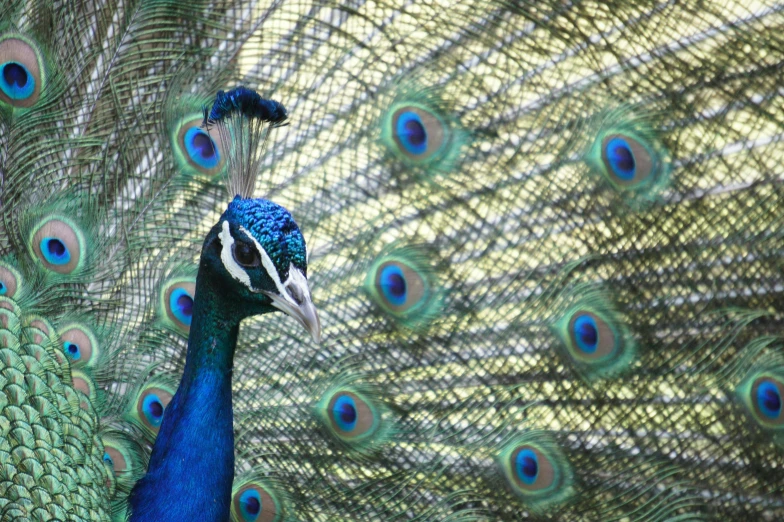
(213, 335)
(192, 463)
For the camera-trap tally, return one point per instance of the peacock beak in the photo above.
(297, 303)
(307, 317)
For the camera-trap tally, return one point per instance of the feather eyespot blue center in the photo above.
(763, 396)
(250, 505)
(3, 288)
(344, 411)
(393, 285)
(21, 71)
(72, 350)
(80, 345)
(114, 457)
(621, 158)
(351, 416)
(536, 470)
(176, 303)
(58, 245)
(198, 149)
(593, 337)
(153, 409)
(527, 466)
(55, 251)
(17, 82)
(411, 132)
(181, 305)
(151, 406)
(400, 286)
(201, 148)
(252, 502)
(769, 399)
(417, 133)
(532, 471)
(628, 162)
(586, 333)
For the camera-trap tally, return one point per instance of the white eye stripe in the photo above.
(296, 278)
(227, 258)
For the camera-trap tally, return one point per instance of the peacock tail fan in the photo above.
(544, 241)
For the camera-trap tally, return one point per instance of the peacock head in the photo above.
(256, 250)
(256, 254)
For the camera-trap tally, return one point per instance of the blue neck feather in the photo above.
(192, 463)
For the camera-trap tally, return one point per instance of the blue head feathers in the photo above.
(259, 246)
(246, 102)
(273, 227)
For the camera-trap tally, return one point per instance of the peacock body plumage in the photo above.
(543, 239)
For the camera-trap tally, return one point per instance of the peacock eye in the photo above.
(245, 255)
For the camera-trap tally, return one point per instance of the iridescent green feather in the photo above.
(594, 337)
(536, 470)
(404, 285)
(628, 156)
(354, 415)
(420, 131)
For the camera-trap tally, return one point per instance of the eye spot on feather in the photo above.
(421, 132)
(198, 150)
(762, 394)
(84, 384)
(533, 471)
(80, 345)
(253, 502)
(767, 400)
(536, 472)
(72, 350)
(418, 133)
(201, 148)
(21, 71)
(181, 305)
(626, 160)
(402, 285)
(594, 336)
(586, 333)
(351, 417)
(58, 245)
(344, 414)
(10, 280)
(115, 459)
(177, 303)
(123, 458)
(627, 153)
(591, 336)
(151, 406)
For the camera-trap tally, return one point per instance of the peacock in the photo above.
(528, 255)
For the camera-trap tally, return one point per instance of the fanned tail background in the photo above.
(544, 242)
